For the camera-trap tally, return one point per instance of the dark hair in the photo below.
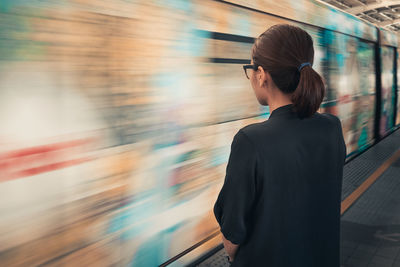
(281, 50)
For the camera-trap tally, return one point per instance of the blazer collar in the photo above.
(287, 109)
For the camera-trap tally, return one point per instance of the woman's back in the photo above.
(285, 195)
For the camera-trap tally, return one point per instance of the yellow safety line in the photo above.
(367, 183)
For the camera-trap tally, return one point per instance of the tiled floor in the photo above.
(371, 227)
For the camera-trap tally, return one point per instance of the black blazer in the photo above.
(282, 192)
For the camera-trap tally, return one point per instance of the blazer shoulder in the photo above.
(334, 121)
(332, 118)
(251, 129)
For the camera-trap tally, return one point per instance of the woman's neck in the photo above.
(278, 104)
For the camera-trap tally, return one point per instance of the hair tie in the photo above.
(304, 64)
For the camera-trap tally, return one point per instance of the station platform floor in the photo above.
(370, 223)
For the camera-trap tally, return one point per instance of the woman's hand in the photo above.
(230, 248)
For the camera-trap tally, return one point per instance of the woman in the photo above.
(280, 202)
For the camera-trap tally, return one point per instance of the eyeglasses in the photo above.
(246, 67)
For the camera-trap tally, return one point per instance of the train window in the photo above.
(387, 91)
(351, 88)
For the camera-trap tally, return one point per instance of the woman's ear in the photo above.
(261, 76)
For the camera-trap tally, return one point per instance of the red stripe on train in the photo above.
(43, 149)
(43, 169)
(36, 160)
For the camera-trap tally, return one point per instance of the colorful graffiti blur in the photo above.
(388, 89)
(398, 90)
(117, 118)
(351, 87)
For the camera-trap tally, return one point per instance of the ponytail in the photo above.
(309, 93)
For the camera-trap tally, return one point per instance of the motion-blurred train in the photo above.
(117, 118)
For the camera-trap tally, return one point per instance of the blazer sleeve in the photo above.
(341, 139)
(237, 195)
